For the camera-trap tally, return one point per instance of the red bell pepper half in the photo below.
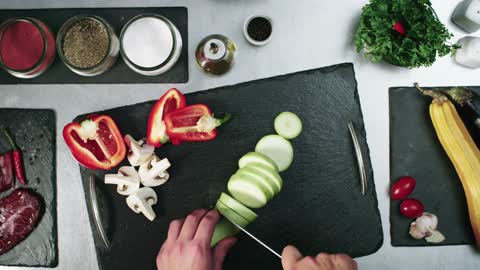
(96, 143)
(169, 102)
(193, 123)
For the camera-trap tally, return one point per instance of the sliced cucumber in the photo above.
(236, 206)
(271, 177)
(277, 149)
(232, 210)
(288, 125)
(248, 192)
(231, 214)
(254, 157)
(259, 180)
(223, 229)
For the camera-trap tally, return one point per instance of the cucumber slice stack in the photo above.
(232, 210)
(257, 180)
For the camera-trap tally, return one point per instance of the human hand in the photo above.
(188, 244)
(292, 259)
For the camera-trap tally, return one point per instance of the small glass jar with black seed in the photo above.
(87, 45)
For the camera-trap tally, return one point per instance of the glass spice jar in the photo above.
(27, 47)
(87, 45)
(150, 44)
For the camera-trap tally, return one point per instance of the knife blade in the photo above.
(256, 239)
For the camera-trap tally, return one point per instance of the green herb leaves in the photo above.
(425, 36)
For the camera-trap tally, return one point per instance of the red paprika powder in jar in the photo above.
(27, 47)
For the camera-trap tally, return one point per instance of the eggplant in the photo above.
(468, 106)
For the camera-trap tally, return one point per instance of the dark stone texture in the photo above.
(416, 151)
(34, 131)
(320, 207)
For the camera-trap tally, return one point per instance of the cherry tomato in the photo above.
(402, 188)
(411, 208)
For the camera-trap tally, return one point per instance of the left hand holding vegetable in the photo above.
(188, 244)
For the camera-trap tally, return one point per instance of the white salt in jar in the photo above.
(150, 44)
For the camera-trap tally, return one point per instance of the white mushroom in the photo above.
(139, 151)
(127, 180)
(154, 172)
(141, 201)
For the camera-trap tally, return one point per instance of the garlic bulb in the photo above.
(425, 226)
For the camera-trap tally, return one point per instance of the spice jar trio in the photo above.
(150, 45)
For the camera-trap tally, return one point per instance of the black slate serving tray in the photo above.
(416, 151)
(58, 73)
(34, 132)
(320, 207)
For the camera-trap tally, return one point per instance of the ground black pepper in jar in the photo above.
(259, 29)
(85, 43)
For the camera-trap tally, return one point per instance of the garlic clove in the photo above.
(416, 232)
(425, 227)
(435, 237)
(427, 221)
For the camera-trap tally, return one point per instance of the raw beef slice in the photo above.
(19, 214)
(6, 171)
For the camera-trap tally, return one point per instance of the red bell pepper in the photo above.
(169, 102)
(96, 143)
(193, 123)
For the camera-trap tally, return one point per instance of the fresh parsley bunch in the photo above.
(405, 33)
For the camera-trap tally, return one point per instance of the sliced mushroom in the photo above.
(139, 151)
(154, 172)
(141, 201)
(127, 180)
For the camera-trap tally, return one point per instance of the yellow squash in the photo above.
(462, 151)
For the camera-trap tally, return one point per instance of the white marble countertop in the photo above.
(308, 34)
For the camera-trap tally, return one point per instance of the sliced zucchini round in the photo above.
(260, 179)
(273, 179)
(278, 149)
(223, 229)
(231, 210)
(236, 206)
(254, 157)
(248, 192)
(231, 214)
(288, 125)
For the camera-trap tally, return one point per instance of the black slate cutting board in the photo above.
(415, 150)
(320, 207)
(58, 73)
(34, 131)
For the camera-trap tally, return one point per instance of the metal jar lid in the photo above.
(216, 54)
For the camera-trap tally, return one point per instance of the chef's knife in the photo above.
(256, 239)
